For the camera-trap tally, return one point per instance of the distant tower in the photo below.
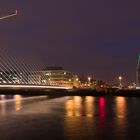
(138, 72)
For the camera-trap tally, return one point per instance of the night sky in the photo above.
(97, 38)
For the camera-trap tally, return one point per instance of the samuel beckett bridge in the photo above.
(15, 73)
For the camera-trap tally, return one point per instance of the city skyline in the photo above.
(96, 38)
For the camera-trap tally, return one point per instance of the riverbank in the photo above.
(74, 92)
(108, 92)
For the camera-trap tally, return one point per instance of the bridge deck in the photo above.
(32, 87)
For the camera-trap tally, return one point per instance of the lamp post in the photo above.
(120, 81)
(89, 79)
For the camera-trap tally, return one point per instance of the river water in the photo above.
(70, 118)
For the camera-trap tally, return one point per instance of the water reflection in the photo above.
(85, 106)
(102, 107)
(17, 102)
(73, 106)
(79, 117)
(102, 115)
(2, 104)
(121, 107)
(101, 118)
(2, 98)
(10, 103)
(89, 100)
(121, 115)
(78, 106)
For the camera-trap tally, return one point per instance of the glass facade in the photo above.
(10, 77)
(53, 77)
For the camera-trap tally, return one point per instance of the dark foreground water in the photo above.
(70, 118)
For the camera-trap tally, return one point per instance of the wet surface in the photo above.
(72, 118)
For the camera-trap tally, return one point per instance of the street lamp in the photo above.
(89, 78)
(120, 81)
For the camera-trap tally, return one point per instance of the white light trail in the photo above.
(22, 99)
(33, 86)
(10, 15)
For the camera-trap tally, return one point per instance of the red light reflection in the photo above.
(102, 107)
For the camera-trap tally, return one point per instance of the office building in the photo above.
(54, 76)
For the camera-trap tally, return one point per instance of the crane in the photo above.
(9, 15)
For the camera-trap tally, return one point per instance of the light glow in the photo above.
(33, 86)
(10, 15)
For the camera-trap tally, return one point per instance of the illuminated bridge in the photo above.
(17, 73)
